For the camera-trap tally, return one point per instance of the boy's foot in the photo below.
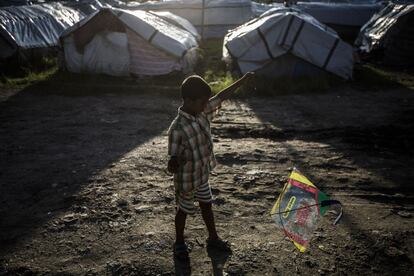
(180, 251)
(218, 244)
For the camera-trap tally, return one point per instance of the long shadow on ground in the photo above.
(368, 130)
(52, 145)
(368, 141)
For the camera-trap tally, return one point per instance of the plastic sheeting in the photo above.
(392, 32)
(212, 18)
(98, 55)
(147, 60)
(178, 21)
(356, 14)
(6, 3)
(34, 26)
(280, 31)
(345, 16)
(39, 26)
(374, 33)
(154, 45)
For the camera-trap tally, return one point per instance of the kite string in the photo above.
(304, 207)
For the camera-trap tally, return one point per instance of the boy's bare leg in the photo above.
(208, 218)
(180, 218)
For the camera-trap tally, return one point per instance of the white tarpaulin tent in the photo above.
(286, 41)
(120, 42)
(212, 18)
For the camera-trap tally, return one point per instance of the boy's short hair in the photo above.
(195, 87)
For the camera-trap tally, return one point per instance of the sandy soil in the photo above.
(83, 189)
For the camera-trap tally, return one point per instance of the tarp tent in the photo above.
(212, 18)
(120, 42)
(34, 26)
(346, 17)
(86, 6)
(6, 3)
(390, 35)
(287, 42)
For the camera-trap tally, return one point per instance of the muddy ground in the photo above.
(83, 189)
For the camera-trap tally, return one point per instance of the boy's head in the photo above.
(195, 92)
(195, 87)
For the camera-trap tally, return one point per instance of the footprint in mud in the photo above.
(230, 159)
(219, 201)
(215, 191)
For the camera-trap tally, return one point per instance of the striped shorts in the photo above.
(186, 201)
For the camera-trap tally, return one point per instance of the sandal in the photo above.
(180, 251)
(219, 244)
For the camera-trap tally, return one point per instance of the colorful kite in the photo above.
(298, 209)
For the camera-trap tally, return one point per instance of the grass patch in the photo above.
(28, 79)
(72, 84)
(51, 80)
(212, 68)
(370, 76)
(29, 76)
(54, 81)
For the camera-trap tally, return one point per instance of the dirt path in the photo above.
(83, 188)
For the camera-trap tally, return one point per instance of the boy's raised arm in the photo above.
(226, 92)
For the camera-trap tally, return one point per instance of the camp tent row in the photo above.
(123, 42)
(147, 39)
(288, 42)
(212, 18)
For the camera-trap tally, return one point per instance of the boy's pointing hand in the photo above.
(249, 75)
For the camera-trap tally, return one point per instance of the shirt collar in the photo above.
(186, 115)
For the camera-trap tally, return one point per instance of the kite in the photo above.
(298, 209)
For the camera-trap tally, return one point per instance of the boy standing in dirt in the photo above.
(190, 148)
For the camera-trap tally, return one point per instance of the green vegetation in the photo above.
(29, 78)
(44, 68)
(370, 76)
(47, 78)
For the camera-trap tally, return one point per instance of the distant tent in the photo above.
(212, 18)
(120, 42)
(287, 42)
(7, 3)
(34, 26)
(86, 6)
(389, 35)
(346, 17)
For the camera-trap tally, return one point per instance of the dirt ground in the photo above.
(83, 188)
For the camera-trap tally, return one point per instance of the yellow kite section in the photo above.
(300, 178)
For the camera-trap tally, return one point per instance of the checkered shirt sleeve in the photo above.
(174, 142)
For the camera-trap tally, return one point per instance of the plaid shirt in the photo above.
(189, 137)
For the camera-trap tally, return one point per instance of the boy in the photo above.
(190, 148)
